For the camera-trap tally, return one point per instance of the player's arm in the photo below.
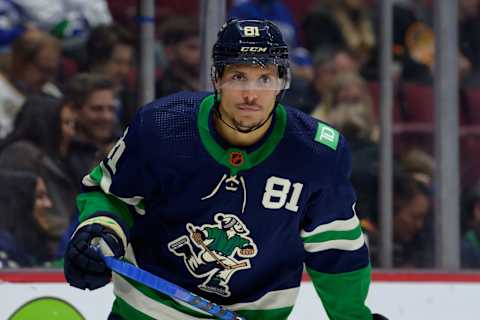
(112, 195)
(337, 256)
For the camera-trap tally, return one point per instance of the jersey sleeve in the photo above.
(336, 254)
(117, 186)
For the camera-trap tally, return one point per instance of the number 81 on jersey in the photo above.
(276, 194)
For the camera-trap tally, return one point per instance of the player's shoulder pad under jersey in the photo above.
(327, 135)
(183, 99)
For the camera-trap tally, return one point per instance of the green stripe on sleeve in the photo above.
(343, 295)
(334, 235)
(90, 203)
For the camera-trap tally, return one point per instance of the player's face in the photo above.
(248, 94)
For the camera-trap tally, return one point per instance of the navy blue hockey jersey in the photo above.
(234, 225)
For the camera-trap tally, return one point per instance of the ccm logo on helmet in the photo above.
(253, 49)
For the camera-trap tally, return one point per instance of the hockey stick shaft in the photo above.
(170, 289)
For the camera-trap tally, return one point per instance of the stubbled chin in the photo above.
(246, 125)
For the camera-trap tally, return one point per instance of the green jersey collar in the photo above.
(234, 158)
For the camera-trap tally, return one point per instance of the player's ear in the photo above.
(216, 84)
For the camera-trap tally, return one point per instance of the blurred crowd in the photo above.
(68, 86)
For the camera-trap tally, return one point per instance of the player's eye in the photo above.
(265, 80)
(238, 77)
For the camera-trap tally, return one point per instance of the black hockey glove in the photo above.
(377, 316)
(84, 266)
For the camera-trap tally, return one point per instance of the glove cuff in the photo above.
(109, 223)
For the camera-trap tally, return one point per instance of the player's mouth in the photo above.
(249, 107)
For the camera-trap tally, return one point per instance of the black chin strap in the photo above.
(219, 116)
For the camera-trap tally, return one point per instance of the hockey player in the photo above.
(228, 195)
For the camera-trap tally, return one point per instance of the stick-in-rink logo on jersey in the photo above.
(223, 248)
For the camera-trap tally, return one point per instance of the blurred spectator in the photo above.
(110, 52)
(306, 95)
(93, 96)
(419, 59)
(11, 25)
(42, 145)
(300, 91)
(100, 155)
(411, 223)
(346, 62)
(420, 165)
(470, 246)
(301, 64)
(341, 23)
(181, 42)
(51, 125)
(66, 19)
(469, 34)
(403, 17)
(348, 106)
(34, 62)
(274, 10)
(24, 224)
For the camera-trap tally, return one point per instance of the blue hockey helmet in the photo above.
(257, 42)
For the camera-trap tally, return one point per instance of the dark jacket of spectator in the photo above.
(22, 241)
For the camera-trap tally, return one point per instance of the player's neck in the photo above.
(238, 138)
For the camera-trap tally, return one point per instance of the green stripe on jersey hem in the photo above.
(89, 203)
(123, 309)
(164, 299)
(272, 314)
(334, 235)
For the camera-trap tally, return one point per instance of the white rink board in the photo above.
(397, 300)
(406, 301)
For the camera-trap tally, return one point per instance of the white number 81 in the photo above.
(276, 193)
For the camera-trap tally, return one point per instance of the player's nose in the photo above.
(250, 96)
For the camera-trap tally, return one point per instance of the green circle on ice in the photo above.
(47, 308)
